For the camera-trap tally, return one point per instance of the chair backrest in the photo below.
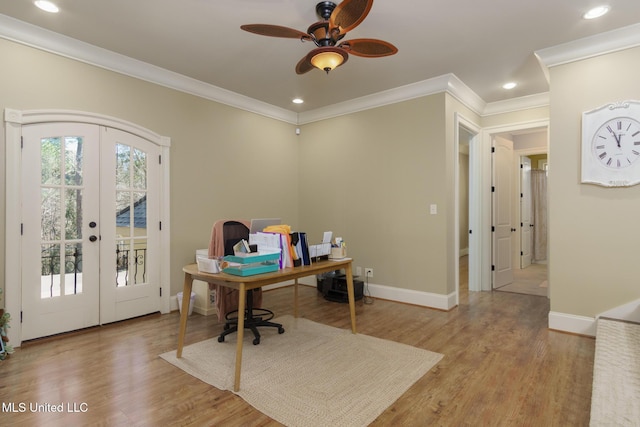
(233, 232)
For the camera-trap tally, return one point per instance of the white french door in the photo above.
(129, 259)
(90, 227)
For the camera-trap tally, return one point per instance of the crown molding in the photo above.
(516, 104)
(588, 47)
(49, 41)
(445, 83)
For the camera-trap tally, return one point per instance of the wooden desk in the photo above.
(243, 284)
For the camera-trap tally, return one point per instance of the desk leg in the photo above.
(295, 298)
(186, 299)
(240, 335)
(352, 301)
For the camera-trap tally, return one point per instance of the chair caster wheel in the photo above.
(281, 330)
(220, 339)
(256, 341)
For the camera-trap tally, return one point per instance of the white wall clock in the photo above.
(611, 145)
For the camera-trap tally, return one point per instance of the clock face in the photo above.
(616, 144)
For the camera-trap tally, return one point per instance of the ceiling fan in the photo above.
(337, 21)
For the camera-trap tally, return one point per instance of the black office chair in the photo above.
(232, 233)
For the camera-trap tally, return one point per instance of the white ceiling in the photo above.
(483, 43)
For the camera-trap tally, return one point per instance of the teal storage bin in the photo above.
(252, 269)
(252, 263)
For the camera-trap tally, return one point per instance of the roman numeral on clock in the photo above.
(602, 155)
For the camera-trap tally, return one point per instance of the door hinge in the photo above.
(493, 268)
(521, 166)
(470, 231)
(493, 188)
(521, 253)
(160, 292)
(493, 149)
(493, 228)
(159, 158)
(521, 225)
(20, 316)
(160, 224)
(521, 195)
(21, 142)
(21, 229)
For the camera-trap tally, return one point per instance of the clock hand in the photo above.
(617, 138)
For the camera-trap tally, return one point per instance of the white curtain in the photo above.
(539, 214)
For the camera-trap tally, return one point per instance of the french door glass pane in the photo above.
(123, 170)
(50, 267)
(140, 251)
(73, 216)
(139, 169)
(73, 160)
(50, 216)
(51, 160)
(73, 268)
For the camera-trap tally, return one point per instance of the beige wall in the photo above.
(594, 236)
(225, 162)
(370, 177)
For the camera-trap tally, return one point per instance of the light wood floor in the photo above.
(531, 280)
(501, 367)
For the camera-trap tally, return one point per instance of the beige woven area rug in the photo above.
(615, 399)
(313, 374)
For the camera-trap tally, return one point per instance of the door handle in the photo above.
(93, 238)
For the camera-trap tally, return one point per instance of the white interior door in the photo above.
(60, 268)
(502, 204)
(90, 242)
(129, 264)
(525, 212)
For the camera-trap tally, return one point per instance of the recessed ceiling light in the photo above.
(47, 6)
(596, 12)
(297, 101)
(509, 85)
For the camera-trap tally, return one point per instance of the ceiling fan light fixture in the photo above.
(328, 58)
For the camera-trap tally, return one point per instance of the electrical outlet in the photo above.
(358, 271)
(368, 272)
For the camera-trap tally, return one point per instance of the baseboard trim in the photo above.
(580, 325)
(410, 296)
(407, 296)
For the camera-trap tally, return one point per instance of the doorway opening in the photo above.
(529, 213)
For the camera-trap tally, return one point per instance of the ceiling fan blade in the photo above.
(349, 14)
(369, 48)
(304, 65)
(275, 31)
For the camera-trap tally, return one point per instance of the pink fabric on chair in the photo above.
(226, 298)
